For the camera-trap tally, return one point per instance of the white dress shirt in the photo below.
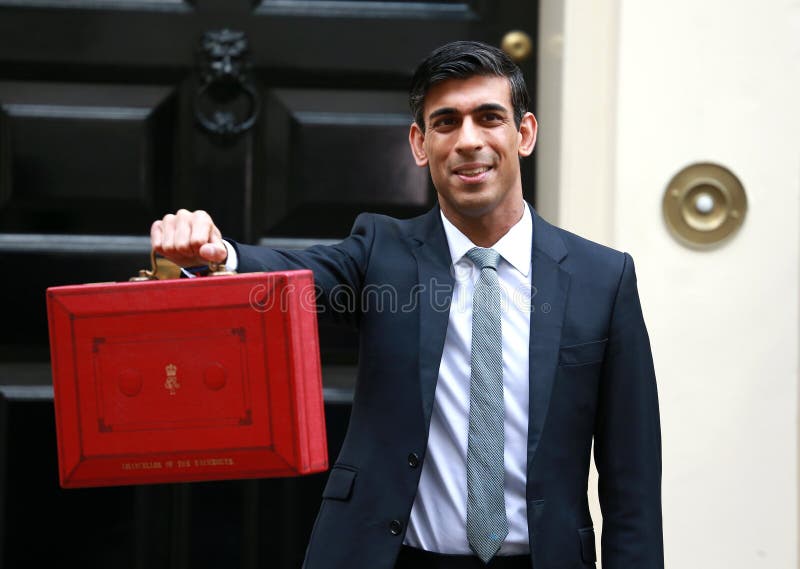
(439, 514)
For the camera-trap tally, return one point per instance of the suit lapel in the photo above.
(436, 283)
(549, 296)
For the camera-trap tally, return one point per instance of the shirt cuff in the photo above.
(232, 262)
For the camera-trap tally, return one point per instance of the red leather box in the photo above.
(193, 379)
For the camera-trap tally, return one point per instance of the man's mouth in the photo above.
(472, 174)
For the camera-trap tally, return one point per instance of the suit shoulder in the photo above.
(377, 219)
(589, 256)
(578, 243)
(386, 223)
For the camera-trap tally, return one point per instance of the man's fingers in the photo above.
(168, 235)
(156, 234)
(182, 234)
(187, 238)
(214, 252)
(203, 231)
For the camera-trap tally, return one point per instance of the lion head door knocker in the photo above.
(226, 102)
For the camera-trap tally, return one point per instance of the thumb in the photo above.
(214, 252)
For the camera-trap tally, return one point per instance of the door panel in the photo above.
(311, 163)
(84, 158)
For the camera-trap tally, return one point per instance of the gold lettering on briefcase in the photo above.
(172, 379)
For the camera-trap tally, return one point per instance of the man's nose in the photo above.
(469, 136)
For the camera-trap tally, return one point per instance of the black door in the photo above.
(283, 119)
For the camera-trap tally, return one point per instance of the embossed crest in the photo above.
(171, 383)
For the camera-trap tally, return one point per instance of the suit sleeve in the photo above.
(628, 439)
(338, 269)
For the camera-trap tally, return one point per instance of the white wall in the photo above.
(644, 89)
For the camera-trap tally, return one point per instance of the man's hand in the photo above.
(188, 238)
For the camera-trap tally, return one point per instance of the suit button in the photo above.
(413, 460)
(395, 527)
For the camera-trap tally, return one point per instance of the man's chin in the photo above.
(474, 208)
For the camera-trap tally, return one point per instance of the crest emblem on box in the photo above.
(171, 384)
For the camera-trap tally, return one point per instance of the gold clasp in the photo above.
(218, 270)
(172, 271)
(144, 274)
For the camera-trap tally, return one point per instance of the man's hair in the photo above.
(462, 60)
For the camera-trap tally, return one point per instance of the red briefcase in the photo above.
(184, 380)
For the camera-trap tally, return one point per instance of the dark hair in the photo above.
(462, 60)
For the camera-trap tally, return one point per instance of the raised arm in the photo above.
(191, 239)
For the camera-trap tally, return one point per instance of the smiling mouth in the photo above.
(473, 171)
(473, 175)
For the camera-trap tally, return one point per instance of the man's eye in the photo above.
(492, 117)
(444, 122)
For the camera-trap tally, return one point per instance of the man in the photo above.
(476, 404)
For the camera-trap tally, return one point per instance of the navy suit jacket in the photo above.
(591, 378)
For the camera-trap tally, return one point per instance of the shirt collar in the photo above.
(514, 246)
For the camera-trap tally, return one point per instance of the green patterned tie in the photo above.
(487, 525)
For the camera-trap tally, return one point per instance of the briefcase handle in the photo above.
(214, 270)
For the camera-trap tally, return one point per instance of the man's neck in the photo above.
(486, 230)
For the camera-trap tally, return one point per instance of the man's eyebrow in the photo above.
(479, 109)
(490, 107)
(442, 111)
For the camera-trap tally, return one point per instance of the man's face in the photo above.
(472, 147)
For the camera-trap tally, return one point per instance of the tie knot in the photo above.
(484, 257)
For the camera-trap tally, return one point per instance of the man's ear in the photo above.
(416, 139)
(528, 128)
